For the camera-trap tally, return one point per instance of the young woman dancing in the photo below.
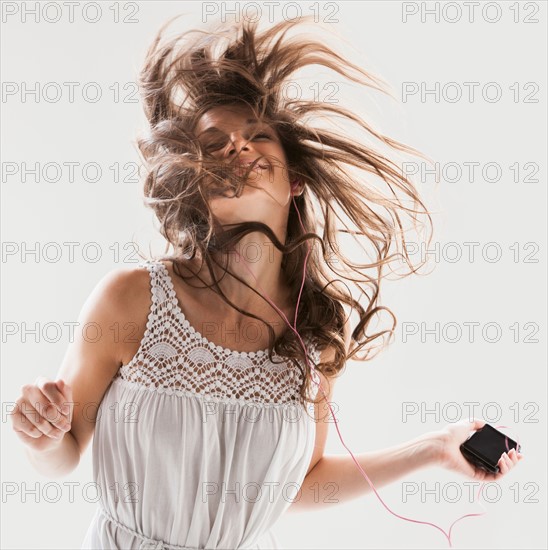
(207, 394)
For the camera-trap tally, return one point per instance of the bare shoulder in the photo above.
(116, 310)
(120, 300)
(123, 284)
(120, 292)
(128, 289)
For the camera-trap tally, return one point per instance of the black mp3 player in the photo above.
(485, 447)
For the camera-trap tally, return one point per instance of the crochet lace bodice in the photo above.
(173, 357)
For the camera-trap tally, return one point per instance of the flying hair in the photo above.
(350, 187)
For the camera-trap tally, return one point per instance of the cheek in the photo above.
(280, 166)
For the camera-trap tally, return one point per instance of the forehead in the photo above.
(225, 117)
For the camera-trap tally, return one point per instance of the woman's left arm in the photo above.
(336, 478)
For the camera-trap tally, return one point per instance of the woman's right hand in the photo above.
(43, 413)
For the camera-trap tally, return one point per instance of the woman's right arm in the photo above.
(56, 461)
(89, 365)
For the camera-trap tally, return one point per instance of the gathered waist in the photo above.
(146, 542)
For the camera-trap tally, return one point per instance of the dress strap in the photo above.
(163, 296)
(160, 307)
(165, 280)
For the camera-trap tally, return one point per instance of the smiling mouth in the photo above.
(241, 169)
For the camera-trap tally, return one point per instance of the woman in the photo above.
(204, 436)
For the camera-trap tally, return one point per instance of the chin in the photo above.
(241, 210)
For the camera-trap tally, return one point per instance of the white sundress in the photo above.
(196, 445)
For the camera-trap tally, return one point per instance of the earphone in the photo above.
(316, 380)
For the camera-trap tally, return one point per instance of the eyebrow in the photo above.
(249, 122)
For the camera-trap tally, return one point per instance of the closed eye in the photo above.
(215, 146)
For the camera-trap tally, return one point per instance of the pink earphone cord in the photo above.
(316, 380)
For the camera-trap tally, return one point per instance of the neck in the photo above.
(257, 261)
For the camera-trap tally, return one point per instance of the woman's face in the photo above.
(224, 132)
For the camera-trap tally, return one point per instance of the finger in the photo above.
(29, 421)
(50, 390)
(471, 470)
(25, 437)
(503, 464)
(478, 424)
(68, 402)
(22, 426)
(513, 456)
(42, 413)
(503, 468)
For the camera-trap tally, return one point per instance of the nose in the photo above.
(238, 144)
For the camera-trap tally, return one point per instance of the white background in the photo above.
(509, 375)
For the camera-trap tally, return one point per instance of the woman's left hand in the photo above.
(449, 440)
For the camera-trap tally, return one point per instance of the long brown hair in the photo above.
(235, 64)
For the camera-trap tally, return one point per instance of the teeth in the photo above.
(250, 163)
(243, 167)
